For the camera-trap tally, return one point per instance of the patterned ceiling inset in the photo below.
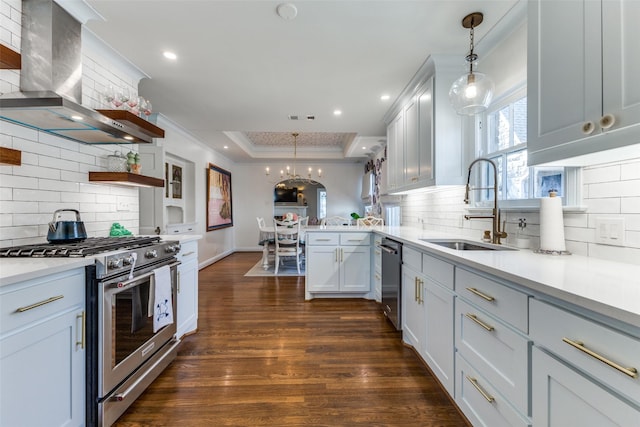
(304, 139)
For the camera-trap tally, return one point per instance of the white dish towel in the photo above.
(162, 302)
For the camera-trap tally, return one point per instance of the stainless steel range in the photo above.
(127, 344)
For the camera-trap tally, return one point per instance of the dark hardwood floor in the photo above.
(265, 357)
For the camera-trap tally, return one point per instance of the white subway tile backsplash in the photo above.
(630, 170)
(601, 174)
(629, 188)
(15, 181)
(32, 219)
(37, 172)
(6, 220)
(21, 194)
(6, 194)
(610, 205)
(57, 186)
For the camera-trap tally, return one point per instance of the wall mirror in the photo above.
(301, 196)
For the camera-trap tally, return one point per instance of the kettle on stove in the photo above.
(66, 231)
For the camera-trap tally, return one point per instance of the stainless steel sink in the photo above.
(467, 245)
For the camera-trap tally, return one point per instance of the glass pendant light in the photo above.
(471, 93)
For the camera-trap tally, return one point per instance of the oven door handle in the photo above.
(127, 283)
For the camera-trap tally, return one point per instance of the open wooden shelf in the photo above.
(125, 178)
(141, 124)
(9, 156)
(9, 58)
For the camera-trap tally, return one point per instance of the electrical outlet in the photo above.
(123, 206)
(610, 231)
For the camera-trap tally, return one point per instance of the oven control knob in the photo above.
(128, 260)
(172, 249)
(151, 254)
(115, 262)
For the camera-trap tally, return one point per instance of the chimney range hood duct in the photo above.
(51, 82)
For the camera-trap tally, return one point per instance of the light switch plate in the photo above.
(610, 231)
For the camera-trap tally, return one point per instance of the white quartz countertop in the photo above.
(605, 287)
(14, 270)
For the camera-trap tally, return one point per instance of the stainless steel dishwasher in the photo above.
(391, 280)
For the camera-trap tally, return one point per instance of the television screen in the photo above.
(285, 195)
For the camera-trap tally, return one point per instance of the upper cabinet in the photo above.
(424, 134)
(583, 93)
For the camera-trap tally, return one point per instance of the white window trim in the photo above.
(573, 176)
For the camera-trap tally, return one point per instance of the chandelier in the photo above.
(472, 92)
(290, 173)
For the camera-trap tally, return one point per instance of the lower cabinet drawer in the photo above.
(496, 298)
(40, 298)
(501, 354)
(355, 239)
(607, 355)
(481, 402)
(322, 239)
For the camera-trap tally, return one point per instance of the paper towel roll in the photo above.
(551, 224)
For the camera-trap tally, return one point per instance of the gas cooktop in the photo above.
(88, 247)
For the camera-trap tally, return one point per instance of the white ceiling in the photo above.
(242, 69)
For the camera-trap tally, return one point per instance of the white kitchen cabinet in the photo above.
(377, 267)
(42, 351)
(424, 131)
(413, 312)
(588, 347)
(187, 307)
(338, 264)
(438, 346)
(564, 397)
(395, 153)
(582, 70)
(171, 209)
(491, 321)
(481, 403)
(427, 312)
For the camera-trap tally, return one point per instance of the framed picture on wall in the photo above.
(219, 207)
(176, 181)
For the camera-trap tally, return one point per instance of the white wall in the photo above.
(253, 195)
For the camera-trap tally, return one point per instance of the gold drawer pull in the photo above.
(479, 322)
(83, 317)
(484, 394)
(188, 253)
(480, 294)
(38, 304)
(632, 372)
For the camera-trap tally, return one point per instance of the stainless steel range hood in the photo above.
(51, 82)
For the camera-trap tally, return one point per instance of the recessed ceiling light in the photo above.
(226, 147)
(337, 112)
(364, 148)
(76, 118)
(170, 55)
(128, 138)
(385, 97)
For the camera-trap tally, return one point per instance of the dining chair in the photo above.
(335, 220)
(287, 242)
(369, 221)
(265, 240)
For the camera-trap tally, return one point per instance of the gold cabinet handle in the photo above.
(186, 254)
(632, 372)
(336, 254)
(38, 304)
(178, 284)
(82, 316)
(484, 394)
(479, 322)
(480, 294)
(420, 284)
(415, 289)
